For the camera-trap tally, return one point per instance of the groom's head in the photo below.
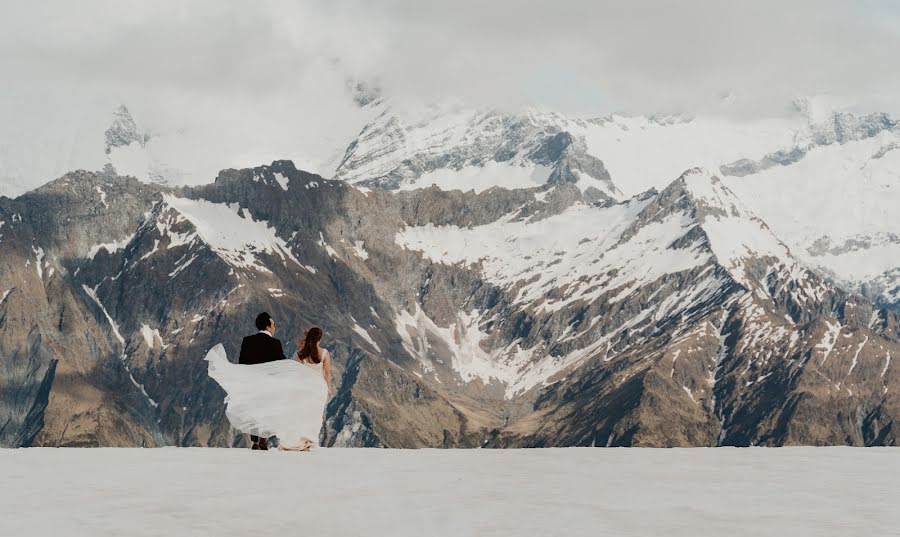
(264, 321)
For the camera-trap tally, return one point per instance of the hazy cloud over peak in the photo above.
(664, 55)
(250, 81)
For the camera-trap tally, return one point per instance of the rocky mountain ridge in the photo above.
(526, 317)
(817, 176)
(821, 176)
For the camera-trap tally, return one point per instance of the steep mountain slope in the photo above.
(755, 365)
(62, 378)
(157, 276)
(835, 202)
(459, 147)
(456, 147)
(508, 317)
(825, 180)
(698, 288)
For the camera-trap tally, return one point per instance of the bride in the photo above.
(284, 398)
(318, 360)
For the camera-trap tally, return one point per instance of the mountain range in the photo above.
(484, 279)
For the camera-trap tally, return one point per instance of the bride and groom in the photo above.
(271, 395)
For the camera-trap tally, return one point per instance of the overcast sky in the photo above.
(270, 68)
(590, 56)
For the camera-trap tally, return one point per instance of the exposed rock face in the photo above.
(755, 365)
(123, 131)
(532, 317)
(838, 128)
(820, 174)
(59, 384)
(745, 167)
(817, 174)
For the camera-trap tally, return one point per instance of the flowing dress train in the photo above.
(284, 398)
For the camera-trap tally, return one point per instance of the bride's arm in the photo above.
(326, 367)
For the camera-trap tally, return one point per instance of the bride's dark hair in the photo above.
(309, 352)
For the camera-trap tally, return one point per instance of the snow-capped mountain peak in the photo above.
(123, 131)
(735, 232)
(463, 148)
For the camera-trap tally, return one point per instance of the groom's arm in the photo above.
(279, 354)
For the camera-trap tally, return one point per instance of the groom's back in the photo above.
(259, 349)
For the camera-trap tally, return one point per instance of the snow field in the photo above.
(335, 492)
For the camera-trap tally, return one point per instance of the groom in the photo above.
(260, 348)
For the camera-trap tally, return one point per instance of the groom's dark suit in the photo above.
(260, 348)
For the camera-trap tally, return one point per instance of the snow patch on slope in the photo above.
(826, 345)
(836, 208)
(282, 180)
(735, 234)
(39, 256)
(102, 197)
(360, 331)
(483, 177)
(577, 250)
(237, 240)
(110, 247)
(860, 265)
(511, 365)
(642, 153)
(115, 328)
(150, 336)
(359, 248)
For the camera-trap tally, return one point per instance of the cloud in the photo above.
(267, 77)
(643, 55)
(640, 55)
(232, 83)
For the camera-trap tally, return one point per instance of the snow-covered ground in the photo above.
(220, 492)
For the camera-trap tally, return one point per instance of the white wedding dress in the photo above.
(284, 398)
